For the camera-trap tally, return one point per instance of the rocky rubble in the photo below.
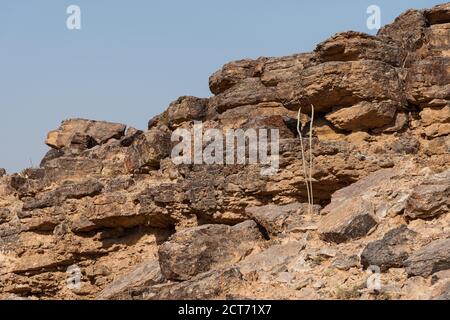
(108, 202)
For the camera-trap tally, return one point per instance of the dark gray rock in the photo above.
(390, 252)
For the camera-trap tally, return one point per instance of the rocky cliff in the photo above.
(108, 202)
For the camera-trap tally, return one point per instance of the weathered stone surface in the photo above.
(436, 121)
(438, 14)
(249, 91)
(364, 115)
(407, 30)
(66, 168)
(148, 150)
(342, 84)
(438, 130)
(431, 198)
(81, 131)
(353, 46)
(50, 155)
(390, 252)
(233, 73)
(439, 276)
(428, 79)
(156, 204)
(429, 259)
(130, 136)
(186, 109)
(56, 197)
(146, 274)
(438, 147)
(2, 172)
(344, 262)
(404, 145)
(216, 284)
(270, 263)
(443, 292)
(281, 219)
(400, 122)
(374, 189)
(436, 41)
(197, 250)
(275, 122)
(279, 70)
(112, 210)
(5, 215)
(43, 262)
(236, 117)
(350, 221)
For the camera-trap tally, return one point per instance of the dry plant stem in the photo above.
(305, 172)
(311, 159)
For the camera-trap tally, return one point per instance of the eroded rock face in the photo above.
(186, 109)
(436, 120)
(348, 222)
(430, 259)
(214, 284)
(198, 250)
(148, 150)
(108, 201)
(407, 30)
(282, 219)
(390, 252)
(276, 264)
(56, 197)
(146, 274)
(364, 115)
(438, 14)
(352, 46)
(84, 132)
(431, 198)
(352, 83)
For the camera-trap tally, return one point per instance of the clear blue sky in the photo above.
(132, 58)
